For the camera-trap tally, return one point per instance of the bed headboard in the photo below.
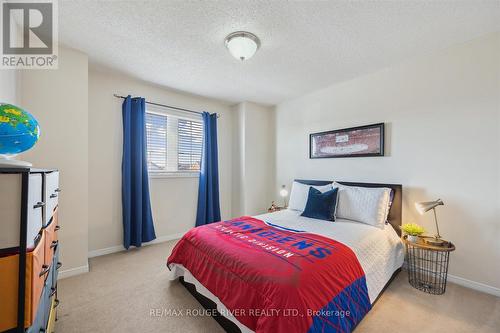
(395, 214)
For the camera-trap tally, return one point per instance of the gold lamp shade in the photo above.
(424, 207)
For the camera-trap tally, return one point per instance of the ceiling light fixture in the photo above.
(242, 45)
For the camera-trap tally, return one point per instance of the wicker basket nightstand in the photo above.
(427, 265)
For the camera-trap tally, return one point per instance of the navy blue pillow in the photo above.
(321, 205)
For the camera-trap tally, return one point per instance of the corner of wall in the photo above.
(253, 165)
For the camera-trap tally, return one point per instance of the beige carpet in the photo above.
(121, 289)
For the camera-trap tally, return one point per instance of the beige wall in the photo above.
(9, 86)
(238, 164)
(253, 158)
(58, 99)
(442, 113)
(173, 200)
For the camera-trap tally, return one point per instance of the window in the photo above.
(174, 142)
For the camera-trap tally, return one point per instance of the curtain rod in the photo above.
(166, 106)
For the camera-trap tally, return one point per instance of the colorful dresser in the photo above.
(29, 250)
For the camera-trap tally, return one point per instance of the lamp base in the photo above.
(435, 241)
(6, 161)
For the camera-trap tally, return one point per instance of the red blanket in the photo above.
(275, 279)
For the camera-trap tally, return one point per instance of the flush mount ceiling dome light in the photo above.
(242, 45)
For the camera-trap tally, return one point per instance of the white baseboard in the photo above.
(73, 271)
(167, 238)
(107, 250)
(470, 284)
(119, 248)
(474, 285)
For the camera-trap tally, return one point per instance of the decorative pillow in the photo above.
(364, 204)
(300, 192)
(321, 205)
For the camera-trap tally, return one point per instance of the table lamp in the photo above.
(283, 194)
(424, 207)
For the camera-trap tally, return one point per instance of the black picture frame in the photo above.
(348, 131)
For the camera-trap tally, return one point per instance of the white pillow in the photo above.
(300, 192)
(364, 204)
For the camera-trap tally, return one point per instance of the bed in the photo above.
(379, 253)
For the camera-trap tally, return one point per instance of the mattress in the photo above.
(379, 251)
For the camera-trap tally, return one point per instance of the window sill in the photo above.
(174, 175)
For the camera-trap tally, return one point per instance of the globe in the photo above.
(19, 130)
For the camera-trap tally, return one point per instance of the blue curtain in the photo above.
(137, 218)
(208, 190)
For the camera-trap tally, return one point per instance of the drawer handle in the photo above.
(45, 270)
(52, 196)
(56, 303)
(57, 227)
(53, 291)
(58, 190)
(59, 265)
(39, 205)
(54, 244)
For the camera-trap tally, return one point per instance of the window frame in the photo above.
(172, 113)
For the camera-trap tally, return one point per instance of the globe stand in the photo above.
(7, 161)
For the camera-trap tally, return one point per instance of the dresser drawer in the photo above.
(39, 324)
(51, 238)
(51, 326)
(36, 275)
(51, 194)
(42, 317)
(56, 264)
(10, 206)
(49, 292)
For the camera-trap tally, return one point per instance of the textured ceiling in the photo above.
(305, 45)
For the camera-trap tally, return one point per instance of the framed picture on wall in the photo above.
(361, 141)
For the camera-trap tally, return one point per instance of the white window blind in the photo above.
(174, 142)
(189, 144)
(156, 133)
